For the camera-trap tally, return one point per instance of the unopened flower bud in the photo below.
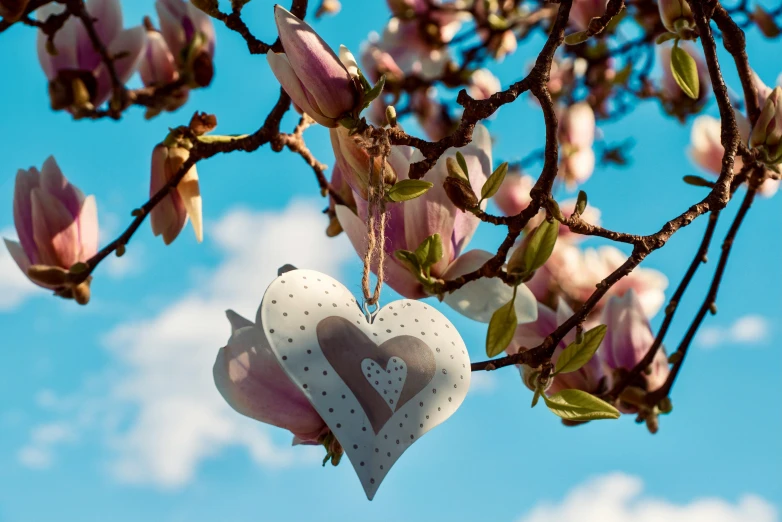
(329, 7)
(203, 69)
(460, 193)
(677, 17)
(81, 293)
(391, 115)
(767, 133)
(765, 22)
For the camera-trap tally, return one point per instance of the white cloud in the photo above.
(749, 329)
(618, 498)
(164, 412)
(38, 453)
(483, 383)
(14, 285)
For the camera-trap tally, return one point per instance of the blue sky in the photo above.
(108, 411)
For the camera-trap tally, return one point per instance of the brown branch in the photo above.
(708, 303)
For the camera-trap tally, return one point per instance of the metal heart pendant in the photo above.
(378, 385)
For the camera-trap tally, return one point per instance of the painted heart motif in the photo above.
(379, 386)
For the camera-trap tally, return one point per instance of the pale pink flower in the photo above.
(513, 196)
(576, 136)
(170, 215)
(57, 226)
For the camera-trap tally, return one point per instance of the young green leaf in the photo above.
(577, 405)
(577, 38)
(685, 72)
(697, 181)
(375, 91)
(455, 171)
(410, 261)
(534, 253)
(581, 202)
(535, 397)
(430, 251)
(407, 189)
(492, 184)
(576, 354)
(665, 37)
(502, 326)
(463, 164)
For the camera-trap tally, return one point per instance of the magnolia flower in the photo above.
(252, 382)
(57, 226)
(411, 222)
(483, 84)
(572, 273)
(169, 216)
(766, 135)
(676, 15)
(401, 51)
(576, 136)
(590, 378)
(628, 338)
(76, 73)
(355, 163)
(190, 36)
(157, 68)
(12, 10)
(583, 11)
(706, 148)
(312, 75)
(431, 115)
(513, 195)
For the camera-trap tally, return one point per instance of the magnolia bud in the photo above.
(765, 22)
(677, 17)
(81, 293)
(391, 115)
(460, 193)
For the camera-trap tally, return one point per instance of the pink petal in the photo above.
(396, 276)
(26, 181)
(315, 64)
(168, 217)
(88, 228)
(157, 66)
(281, 67)
(53, 182)
(55, 231)
(130, 42)
(170, 14)
(16, 251)
(251, 380)
(108, 15)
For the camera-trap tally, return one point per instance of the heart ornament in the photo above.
(378, 385)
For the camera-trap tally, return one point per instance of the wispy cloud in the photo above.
(483, 383)
(170, 416)
(620, 498)
(746, 330)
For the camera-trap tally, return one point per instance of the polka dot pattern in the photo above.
(293, 307)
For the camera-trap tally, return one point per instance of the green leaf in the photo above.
(455, 170)
(536, 397)
(408, 189)
(535, 252)
(214, 138)
(375, 91)
(697, 181)
(492, 184)
(577, 405)
(665, 37)
(502, 326)
(581, 202)
(410, 260)
(430, 251)
(576, 354)
(577, 38)
(463, 164)
(685, 72)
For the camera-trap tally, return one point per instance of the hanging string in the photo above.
(376, 232)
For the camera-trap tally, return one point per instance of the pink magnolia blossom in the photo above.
(767, 131)
(309, 71)
(169, 217)
(589, 378)
(584, 10)
(483, 84)
(573, 273)
(402, 50)
(409, 223)
(431, 115)
(57, 226)
(157, 66)
(706, 148)
(577, 135)
(513, 195)
(190, 36)
(77, 76)
(250, 379)
(628, 338)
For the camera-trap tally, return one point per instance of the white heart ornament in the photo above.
(379, 386)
